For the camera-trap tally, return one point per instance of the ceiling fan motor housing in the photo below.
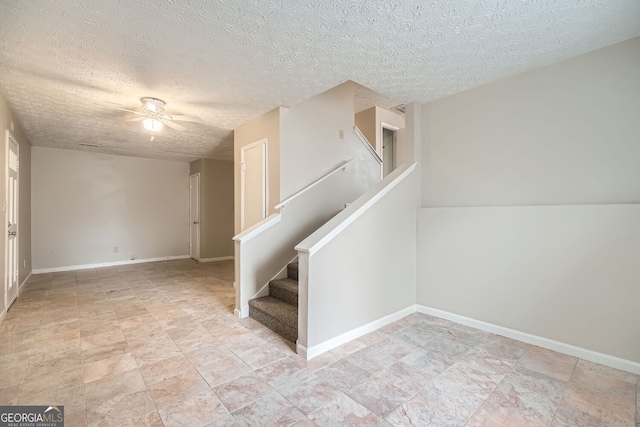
(152, 105)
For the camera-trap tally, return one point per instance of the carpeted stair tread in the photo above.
(285, 290)
(292, 270)
(276, 315)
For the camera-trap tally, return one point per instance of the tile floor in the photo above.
(157, 344)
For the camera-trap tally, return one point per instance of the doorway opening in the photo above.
(389, 149)
(194, 216)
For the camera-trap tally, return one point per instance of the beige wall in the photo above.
(310, 144)
(265, 126)
(563, 134)
(370, 122)
(542, 176)
(365, 273)
(24, 232)
(216, 208)
(366, 122)
(84, 204)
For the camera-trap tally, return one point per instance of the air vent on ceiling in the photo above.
(88, 145)
(399, 108)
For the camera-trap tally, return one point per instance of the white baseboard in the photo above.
(220, 258)
(316, 350)
(242, 314)
(560, 347)
(107, 264)
(26, 280)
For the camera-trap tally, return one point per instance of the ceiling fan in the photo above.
(153, 117)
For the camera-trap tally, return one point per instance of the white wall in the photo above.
(84, 204)
(363, 274)
(566, 273)
(563, 135)
(310, 143)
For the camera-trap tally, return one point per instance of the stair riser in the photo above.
(283, 295)
(292, 271)
(289, 332)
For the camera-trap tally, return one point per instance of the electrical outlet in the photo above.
(25, 264)
(341, 134)
(53, 253)
(115, 249)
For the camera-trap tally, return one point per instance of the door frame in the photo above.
(8, 140)
(191, 242)
(265, 181)
(395, 130)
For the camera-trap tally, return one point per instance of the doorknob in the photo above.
(196, 222)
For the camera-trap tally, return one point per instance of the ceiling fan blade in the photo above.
(115, 107)
(137, 119)
(185, 118)
(172, 125)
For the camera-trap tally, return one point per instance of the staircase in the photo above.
(279, 310)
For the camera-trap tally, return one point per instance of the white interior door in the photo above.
(253, 183)
(194, 216)
(11, 216)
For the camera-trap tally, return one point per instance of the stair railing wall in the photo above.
(264, 249)
(358, 271)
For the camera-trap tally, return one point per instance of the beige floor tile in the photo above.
(416, 412)
(39, 369)
(104, 339)
(241, 391)
(197, 410)
(108, 367)
(106, 343)
(344, 411)
(71, 398)
(310, 394)
(12, 376)
(117, 399)
(223, 370)
(9, 395)
(177, 388)
(549, 363)
(75, 419)
(260, 356)
(271, 410)
(165, 368)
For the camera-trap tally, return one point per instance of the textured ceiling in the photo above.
(229, 61)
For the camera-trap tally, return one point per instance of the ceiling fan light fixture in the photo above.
(152, 124)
